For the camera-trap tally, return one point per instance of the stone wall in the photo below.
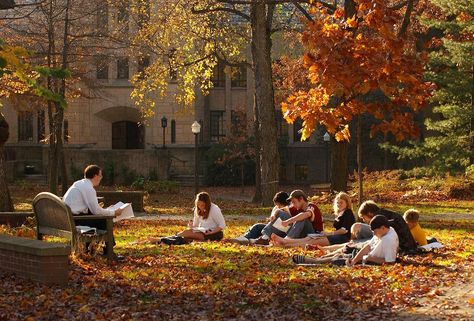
(37, 260)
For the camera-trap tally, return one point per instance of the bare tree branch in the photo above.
(406, 19)
(221, 9)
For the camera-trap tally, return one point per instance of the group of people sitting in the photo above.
(294, 221)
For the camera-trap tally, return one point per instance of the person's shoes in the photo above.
(262, 241)
(174, 240)
(239, 240)
(298, 259)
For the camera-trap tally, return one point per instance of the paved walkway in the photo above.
(455, 302)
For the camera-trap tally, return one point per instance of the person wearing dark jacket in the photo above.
(369, 209)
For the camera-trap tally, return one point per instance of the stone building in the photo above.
(106, 128)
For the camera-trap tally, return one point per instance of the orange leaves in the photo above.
(343, 135)
(352, 60)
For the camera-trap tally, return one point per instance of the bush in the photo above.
(227, 174)
(470, 172)
(151, 186)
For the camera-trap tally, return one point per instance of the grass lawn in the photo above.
(219, 281)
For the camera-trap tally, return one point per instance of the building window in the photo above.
(282, 125)
(122, 68)
(143, 63)
(172, 65)
(173, 131)
(143, 13)
(123, 16)
(239, 77)
(102, 67)
(127, 135)
(217, 125)
(201, 135)
(66, 131)
(297, 131)
(301, 173)
(218, 76)
(41, 126)
(25, 126)
(102, 18)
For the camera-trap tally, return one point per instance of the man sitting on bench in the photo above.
(81, 197)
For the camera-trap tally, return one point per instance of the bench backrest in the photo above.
(53, 216)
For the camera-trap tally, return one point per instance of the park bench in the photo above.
(54, 217)
(45, 262)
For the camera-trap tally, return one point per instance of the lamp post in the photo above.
(196, 129)
(164, 124)
(327, 139)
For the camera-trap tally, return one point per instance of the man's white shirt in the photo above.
(81, 197)
(385, 247)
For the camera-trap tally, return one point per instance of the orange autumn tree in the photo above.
(350, 60)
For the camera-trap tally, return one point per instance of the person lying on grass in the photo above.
(342, 227)
(308, 221)
(208, 223)
(369, 209)
(361, 234)
(382, 248)
(280, 200)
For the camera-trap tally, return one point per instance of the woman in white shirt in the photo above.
(208, 222)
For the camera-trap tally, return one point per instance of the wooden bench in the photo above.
(134, 197)
(54, 217)
(40, 261)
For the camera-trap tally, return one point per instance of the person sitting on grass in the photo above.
(360, 235)
(369, 209)
(308, 221)
(382, 248)
(208, 223)
(280, 200)
(342, 225)
(412, 217)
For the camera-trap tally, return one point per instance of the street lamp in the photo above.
(164, 123)
(327, 139)
(196, 129)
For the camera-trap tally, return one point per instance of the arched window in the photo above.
(127, 135)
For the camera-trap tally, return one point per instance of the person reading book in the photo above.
(369, 209)
(412, 218)
(342, 227)
(81, 198)
(383, 246)
(208, 223)
(308, 221)
(281, 203)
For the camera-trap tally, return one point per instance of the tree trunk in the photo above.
(257, 197)
(471, 133)
(261, 20)
(6, 204)
(339, 169)
(359, 160)
(340, 150)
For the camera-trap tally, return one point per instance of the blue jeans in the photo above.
(297, 230)
(255, 231)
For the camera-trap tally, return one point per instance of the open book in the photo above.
(199, 229)
(431, 246)
(277, 224)
(126, 213)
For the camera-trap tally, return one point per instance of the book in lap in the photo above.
(279, 226)
(199, 229)
(126, 213)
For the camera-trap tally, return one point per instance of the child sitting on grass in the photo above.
(412, 218)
